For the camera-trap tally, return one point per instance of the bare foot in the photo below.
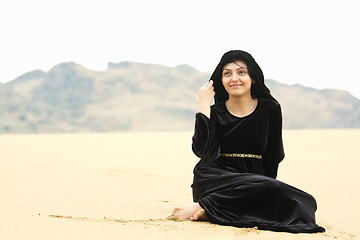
(187, 211)
(200, 215)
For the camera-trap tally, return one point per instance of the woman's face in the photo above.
(236, 79)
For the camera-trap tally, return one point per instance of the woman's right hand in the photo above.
(205, 98)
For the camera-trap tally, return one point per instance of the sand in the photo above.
(124, 185)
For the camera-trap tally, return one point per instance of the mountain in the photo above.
(131, 96)
(305, 107)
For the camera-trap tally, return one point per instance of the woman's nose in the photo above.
(235, 77)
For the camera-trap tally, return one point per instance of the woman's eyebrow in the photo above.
(237, 68)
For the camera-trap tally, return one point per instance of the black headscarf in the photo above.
(258, 88)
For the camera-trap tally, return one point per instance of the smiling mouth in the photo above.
(236, 85)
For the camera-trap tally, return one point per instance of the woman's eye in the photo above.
(226, 73)
(242, 72)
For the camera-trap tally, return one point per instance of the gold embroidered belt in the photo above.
(241, 155)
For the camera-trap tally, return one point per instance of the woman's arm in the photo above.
(205, 98)
(274, 152)
(204, 141)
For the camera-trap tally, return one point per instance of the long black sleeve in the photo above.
(274, 152)
(205, 144)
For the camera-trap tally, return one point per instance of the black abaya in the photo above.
(234, 181)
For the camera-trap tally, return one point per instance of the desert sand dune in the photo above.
(124, 185)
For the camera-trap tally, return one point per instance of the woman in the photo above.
(239, 141)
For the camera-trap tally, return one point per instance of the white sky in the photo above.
(313, 43)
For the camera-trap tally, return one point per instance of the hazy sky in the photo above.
(313, 43)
